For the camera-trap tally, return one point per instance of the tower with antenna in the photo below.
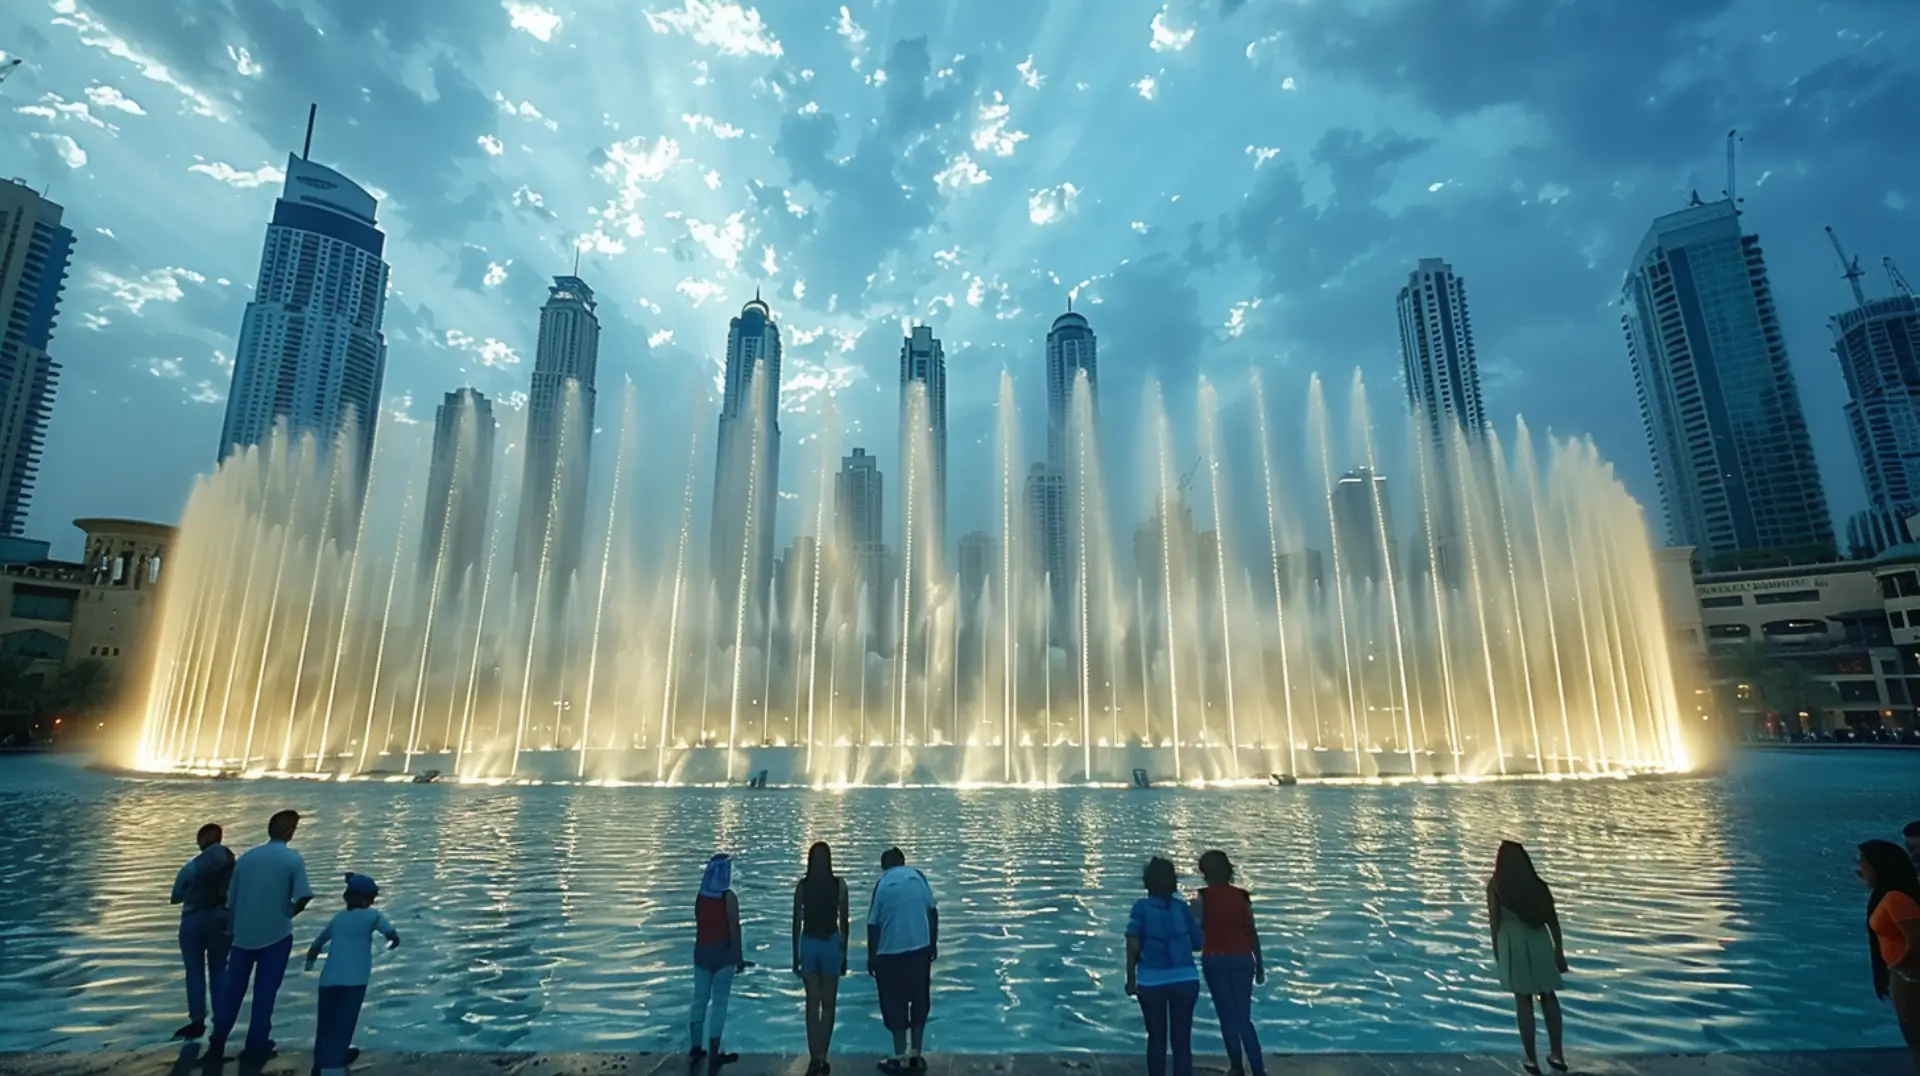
(311, 353)
(1878, 345)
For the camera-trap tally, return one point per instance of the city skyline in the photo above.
(1535, 213)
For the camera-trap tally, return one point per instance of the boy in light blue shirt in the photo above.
(343, 982)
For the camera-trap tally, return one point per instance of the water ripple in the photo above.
(1716, 913)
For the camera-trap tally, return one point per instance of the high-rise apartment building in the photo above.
(858, 500)
(1047, 519)
(746, 472)
(559, 449)
(1441, 370)
(858, 513)
(1363, 524)
(1717, 395)
(1072, 349)
(1878, 345)
(311, 353)
(979, 564)
(34, 250)
(923, 444)
(453, 533)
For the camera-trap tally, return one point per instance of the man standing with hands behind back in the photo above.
(269, 888)
(903, 938)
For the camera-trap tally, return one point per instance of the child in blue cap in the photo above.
(343, 982)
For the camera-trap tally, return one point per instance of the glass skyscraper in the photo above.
(746, 470)
(1722, 412)
(553, 493)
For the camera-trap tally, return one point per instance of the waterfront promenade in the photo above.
(185, 1061)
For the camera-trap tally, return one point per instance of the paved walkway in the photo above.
(177, 1061)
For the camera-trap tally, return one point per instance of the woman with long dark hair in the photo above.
(1528, 949)
(1893, 933)
(1162, 935)
(820, 931)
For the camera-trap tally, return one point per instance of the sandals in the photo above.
(1557, 1064)
(1531, 1068)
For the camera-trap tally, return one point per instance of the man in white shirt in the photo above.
(903, 936)
(269, 888)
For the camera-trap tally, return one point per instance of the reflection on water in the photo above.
(1701, 914)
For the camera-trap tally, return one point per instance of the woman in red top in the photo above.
(1893, 932)
(717, 958)
(1230, 959)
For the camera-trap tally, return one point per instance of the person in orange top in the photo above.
(1893, 932)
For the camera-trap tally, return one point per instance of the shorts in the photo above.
(822, 956)
(905, 983)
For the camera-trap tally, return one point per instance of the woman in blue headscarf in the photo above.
(717, 957)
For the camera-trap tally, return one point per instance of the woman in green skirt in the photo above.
(1528, 950)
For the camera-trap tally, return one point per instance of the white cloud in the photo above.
(532, 18)
(1165, 38)
(91, 320)
(234, 177)
(496, 275)
(206, 392)
(491, 352)
(1288, 84)
(110, 97)
(1147, 87)
(799, 290)
(711, 179)
(94, 34)
(990, 133)
(695, 122)
(660, 338)
(1262, 154)
(1050, 204)
(847, 28)
(69, 150)
(155, 286)
(243, 61)
(1030, 76)
(724, 240)
(1237, 317)
(700, 291)
(492, 145)
(525, 110)
(804, 381)
(721, 24)
(1139, 226)
(524, 195)
(947, 258)
(769, 264)
(55, 108)
(961, 172)
(167, 368)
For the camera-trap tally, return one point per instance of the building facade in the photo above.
(923, 415)
(746, 472)
(1364, 520)
(1072, 349)
(1438, 362)
(34, 251)
(559, 449)
(1717, 395)
(311, 353)
(453, 533)
(1878, 345)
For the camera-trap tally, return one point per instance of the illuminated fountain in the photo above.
(1513, 629)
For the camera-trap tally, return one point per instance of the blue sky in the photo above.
(1228, 184)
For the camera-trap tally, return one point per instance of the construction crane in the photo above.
(1849, 269)
(1900, 285)
(1733, 139)
(1187, 482)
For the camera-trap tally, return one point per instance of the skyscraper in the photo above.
(453, 534)
(979, 564)
(1717, 395)
(1071, 348)
(746, 472)
(858, 513)
(1878, 345)
(923, 370)
(1437, 356)
(1046, 498)
(1361, 513)
(553, 494)
(311, 353)
(34, 248)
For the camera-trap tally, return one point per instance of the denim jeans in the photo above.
(266, 967)
(1168, 1011)
(1230, 981)
(333, 1027)
(714, 985)
(203, 947)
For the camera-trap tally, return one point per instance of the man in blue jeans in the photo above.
(269, 888)
(201, 891)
